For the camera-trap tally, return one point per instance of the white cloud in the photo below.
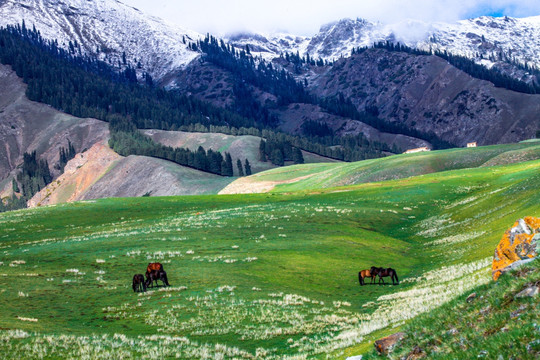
(304, 17)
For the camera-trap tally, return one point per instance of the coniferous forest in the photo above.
(86, 87)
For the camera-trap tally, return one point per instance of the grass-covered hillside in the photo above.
(313, 176)
(494, 321)
(253, 276)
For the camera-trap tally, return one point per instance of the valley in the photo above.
(264, 171)
(233, 260)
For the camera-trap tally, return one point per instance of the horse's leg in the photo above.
(166, 280)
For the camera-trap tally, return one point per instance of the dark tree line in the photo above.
(126, 140)
(34, 176)
(288, 90)
(466, 65)
(86, 87)
(278, 151)
(260, 74)
(65, 155)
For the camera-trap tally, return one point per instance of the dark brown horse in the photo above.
(384, 272)
(365, 274)
(154, 266)
(156, 275)
(139, 284)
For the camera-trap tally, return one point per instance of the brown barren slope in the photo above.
(27, 126)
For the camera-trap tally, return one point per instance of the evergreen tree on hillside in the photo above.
(15, 186)
(262, 151)
(229, 171)
(240, 168)
(297, 156)
(247, 166)
(277, 157)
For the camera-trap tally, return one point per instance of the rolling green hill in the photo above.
(313, 176)
(253, 276)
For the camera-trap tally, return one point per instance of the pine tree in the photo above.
(229, 165)
(277, 157)
(262, 151)
(15, 186)
(240, 168)
(247, 166)
(297, 156)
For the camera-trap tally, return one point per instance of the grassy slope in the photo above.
(396, 167)
(265, 275)
(494, 324)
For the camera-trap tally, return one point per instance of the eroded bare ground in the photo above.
(250, 185)
(101, 173)
(79, 175)
(27, 126)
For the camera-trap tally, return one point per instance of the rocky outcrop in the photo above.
(387, 344)
(520, 244)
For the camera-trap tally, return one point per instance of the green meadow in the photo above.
(327, 175)
(254, 276)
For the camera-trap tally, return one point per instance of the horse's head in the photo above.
(374, 270)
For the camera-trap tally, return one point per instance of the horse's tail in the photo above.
(394, 275)
(397, 280)
(360, 279)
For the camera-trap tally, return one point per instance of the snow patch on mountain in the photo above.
(486, 39)
(106, 29)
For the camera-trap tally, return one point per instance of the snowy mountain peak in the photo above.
(491, 41)
(106, 29)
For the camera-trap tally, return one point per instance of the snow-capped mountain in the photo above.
(107, 29)
(486, 39)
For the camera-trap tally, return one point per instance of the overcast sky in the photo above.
(304, 17)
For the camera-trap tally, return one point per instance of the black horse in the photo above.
(384, 272)
(156, 275)
(139, 285)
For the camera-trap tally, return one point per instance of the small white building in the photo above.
(471, 144)
(420, 149)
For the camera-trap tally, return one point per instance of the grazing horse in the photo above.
(156, 275)
(384, 272)
(365, 274)
(138, 283)
(154, 266)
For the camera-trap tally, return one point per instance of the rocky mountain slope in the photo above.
(419, 92)
(27, 126)
(428, 94)
(96, 171)
(214, 84)
(101, 173)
